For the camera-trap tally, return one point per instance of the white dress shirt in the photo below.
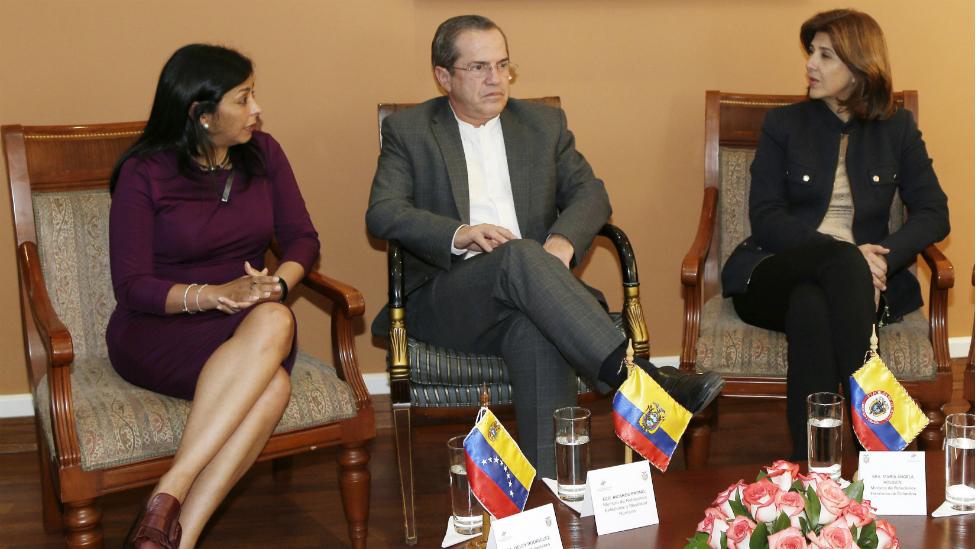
(489, 185)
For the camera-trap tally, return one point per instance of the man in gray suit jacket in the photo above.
(493, 204)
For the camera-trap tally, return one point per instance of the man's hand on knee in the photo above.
(559, 246)
(482, 238)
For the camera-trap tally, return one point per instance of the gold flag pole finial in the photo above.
(874, 341)
(629, 360)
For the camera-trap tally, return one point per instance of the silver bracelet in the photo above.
(200, 289)
(185, 292)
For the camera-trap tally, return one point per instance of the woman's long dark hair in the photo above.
(197, 76)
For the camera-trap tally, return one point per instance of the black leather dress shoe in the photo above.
(693, 391)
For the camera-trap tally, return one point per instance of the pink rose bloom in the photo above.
(792, 504)
(834, 536)
(717, 513)
(858, 514)
(886, 535)
(732, 492)
(739, 532)
(760, 498)
(782, 473)
(713, 525)
(833, 500)
(813, 479)
(790, 538)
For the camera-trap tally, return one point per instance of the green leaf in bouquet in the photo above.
(797, 487)
(738, 509)
(762, 474)
(804, 526)
(855, 491)
(812, 507)
(724, 540)
(760, 537)
(869, 536)
(782, 522)
(699, 541)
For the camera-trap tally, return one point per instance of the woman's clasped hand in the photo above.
(248, 290)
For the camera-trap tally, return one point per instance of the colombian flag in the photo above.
(647, 419)
(883, 415)
(499, 474)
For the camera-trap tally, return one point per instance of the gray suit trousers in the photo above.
(523, 304)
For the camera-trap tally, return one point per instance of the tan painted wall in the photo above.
(632, 75)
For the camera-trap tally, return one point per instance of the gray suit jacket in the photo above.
(420, 191)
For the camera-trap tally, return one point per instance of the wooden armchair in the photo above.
(97, 434)
(753, 360)
(434, 382)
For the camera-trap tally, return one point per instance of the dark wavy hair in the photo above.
(443, 50)
(191, 84)
(860, 44)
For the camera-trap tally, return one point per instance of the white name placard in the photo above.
(894, 481)
(620, 497)
(532, 529)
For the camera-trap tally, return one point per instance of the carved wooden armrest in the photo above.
(53, 333)
(943, 274)
(942, 278)
(399, 365)
(350, 304)
(60, 355)
(633, 312)
(692, 276)
(693, 264)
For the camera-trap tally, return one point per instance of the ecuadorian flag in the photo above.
(499, 474)
(647, 419)
(883, 414)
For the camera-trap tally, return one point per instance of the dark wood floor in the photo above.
(305, 511)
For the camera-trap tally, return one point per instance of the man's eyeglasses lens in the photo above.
(482, 69)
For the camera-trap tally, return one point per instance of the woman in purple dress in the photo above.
(195, 204)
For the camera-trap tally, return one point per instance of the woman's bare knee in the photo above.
(269, 326)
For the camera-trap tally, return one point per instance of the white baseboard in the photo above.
(379, 384)
(16, 405)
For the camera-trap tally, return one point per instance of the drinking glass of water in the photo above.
(825, 417)
(572, 451)
(960, 444)
(464, 506)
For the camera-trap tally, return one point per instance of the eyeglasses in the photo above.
(482, 69)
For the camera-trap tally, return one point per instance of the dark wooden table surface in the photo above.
(682, 497)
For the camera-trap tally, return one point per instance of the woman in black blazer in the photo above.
(821, 265)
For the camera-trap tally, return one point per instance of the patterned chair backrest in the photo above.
(733, 124)
(59, 186)
(72, 241)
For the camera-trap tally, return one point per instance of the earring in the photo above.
(205, 125)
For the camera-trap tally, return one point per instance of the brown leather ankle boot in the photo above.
(157, 526)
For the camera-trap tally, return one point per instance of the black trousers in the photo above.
(821, 296)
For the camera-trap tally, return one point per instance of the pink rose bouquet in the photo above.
(784, 509)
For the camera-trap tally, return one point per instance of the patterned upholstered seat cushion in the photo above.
(117, 422)
(441, 377)
(120, 423)
(731, 347)
(728, 346)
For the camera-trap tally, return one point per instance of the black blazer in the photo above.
(793, 179)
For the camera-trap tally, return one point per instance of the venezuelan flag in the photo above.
(883, 414)
(499, 474)
(647, 419)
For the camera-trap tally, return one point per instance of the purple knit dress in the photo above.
(165, 228)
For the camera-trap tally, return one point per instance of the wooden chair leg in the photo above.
(281, 468)
(83, 524)
(932, 436)
(51, 510)
(354, 485)
(698, 438)
(404, 451)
